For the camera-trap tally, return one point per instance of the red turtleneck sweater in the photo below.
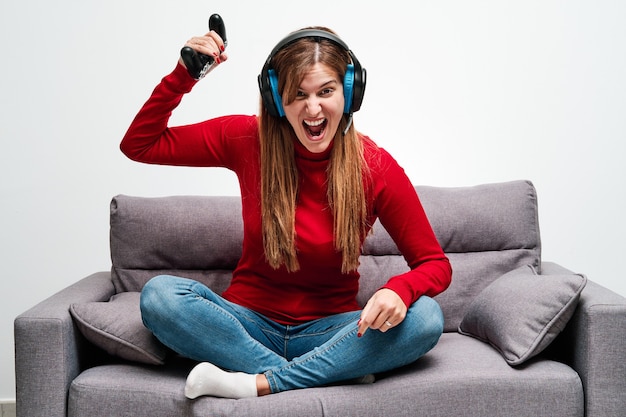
(318, 288)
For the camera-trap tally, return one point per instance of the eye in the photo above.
(300, 95)
(326, 91)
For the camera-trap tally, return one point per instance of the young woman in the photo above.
(311, 188)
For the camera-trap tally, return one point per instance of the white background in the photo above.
(460, 92)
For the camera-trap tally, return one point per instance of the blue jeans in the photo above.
(192, 320)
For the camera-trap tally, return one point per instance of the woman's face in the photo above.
(318, 108)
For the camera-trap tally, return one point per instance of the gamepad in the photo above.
(198, 65)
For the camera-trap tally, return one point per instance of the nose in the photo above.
(313, 105)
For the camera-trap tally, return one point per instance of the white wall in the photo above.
(461, 92)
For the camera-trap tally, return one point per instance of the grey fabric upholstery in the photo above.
(593, 344)
(486, 231)
(116, 326)
(443, 384)
(49, 352)
(537, 306)
(201, 238)
(192, 236)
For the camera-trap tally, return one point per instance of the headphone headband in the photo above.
(316, 34)
(353, 83)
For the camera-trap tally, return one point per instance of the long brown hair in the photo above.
(347, 171)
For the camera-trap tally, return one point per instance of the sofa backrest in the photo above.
(486, 231)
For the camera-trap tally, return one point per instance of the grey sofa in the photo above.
(522, 337)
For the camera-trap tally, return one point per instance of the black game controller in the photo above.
(198, 65)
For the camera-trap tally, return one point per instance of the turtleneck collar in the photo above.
(302, 152)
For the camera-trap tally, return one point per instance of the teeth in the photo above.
(314, 122)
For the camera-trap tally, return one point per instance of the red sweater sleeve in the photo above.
(401, 213)
(209, 143)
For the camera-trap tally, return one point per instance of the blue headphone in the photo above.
(353, 81)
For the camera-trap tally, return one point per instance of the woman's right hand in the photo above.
(210, 44)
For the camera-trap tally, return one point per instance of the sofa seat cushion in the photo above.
(460, 376)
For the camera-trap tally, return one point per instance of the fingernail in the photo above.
(222, 48)
(359, 335)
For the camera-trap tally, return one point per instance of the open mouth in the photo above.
(315, 128)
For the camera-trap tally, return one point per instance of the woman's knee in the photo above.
(427, 317)
(156, 294)
(154, 289)
(431, 313)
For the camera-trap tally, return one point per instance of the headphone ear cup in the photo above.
(266, 94)
(268, 87)
(278, 100)
(358, 85)
(348, 89)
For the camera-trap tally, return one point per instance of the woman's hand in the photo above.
(210, 44)
(382, 312)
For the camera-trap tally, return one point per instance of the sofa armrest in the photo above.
(593, 344)
(49, 350)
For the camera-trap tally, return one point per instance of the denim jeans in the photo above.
(195, 322)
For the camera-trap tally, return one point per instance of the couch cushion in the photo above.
(196, 237)
(522, 312)
(116, 327)
(486, 231)
(460, 376)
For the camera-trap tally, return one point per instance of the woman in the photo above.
(311, 187)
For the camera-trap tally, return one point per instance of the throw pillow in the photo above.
(116, 327)
(522, 312)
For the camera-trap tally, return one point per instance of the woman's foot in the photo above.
(207, 379)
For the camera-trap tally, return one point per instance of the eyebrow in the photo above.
(326, 84)
(333, 81)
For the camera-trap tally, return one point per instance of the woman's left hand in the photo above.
(383, 311)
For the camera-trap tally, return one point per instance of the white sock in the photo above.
(207, 379)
